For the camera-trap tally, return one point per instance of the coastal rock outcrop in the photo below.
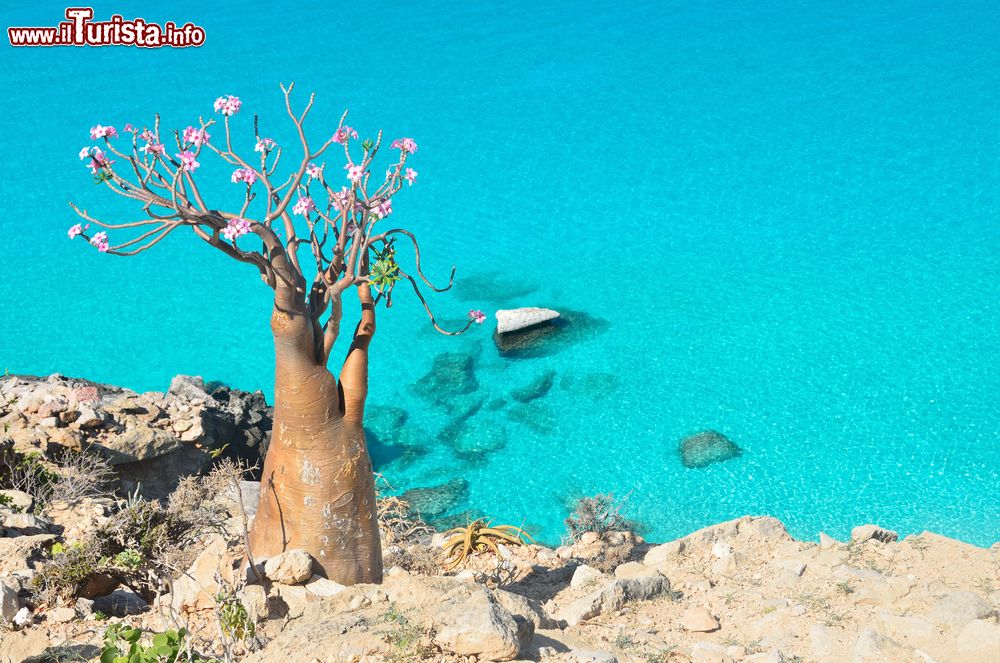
(518, 319)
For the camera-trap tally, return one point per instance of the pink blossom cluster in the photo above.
(313, 170)
(152, 145)
(343, 133)
(477, 316)
(100, 240)
(130, 128)
(410, 176)
(97, 158)
(76, 230)
(244, 175)
(188, 162)
(405, 144)
(102, 132)
(341, 198)
(264, 145)
(354, 172)
(228, 105)
(383, 209)
(196, 136)
(236, 228)
(304, 205)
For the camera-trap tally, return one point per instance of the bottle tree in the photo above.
(314, 240)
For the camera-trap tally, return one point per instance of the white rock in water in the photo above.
(509, 320)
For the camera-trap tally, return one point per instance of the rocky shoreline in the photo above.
(76, 561)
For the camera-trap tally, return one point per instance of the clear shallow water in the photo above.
(781, 218)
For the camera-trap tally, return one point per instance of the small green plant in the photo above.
(845, 588)
(100, 616)
(234, 619)
(128, 559)
(405, 637)
(124, 644)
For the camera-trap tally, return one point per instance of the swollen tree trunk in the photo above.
(317, 488)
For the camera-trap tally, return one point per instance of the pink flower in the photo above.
(148, 136)
(77, 230)
(477, 316)
(195, 136)
(100, 240)
(244, 175)
(228, 105)
(405, 144)
(342, 198)
(97, 158)
(343, 133)
(264, 145)
(354, 173)
(236, 228)
(152, 147)
(383, 209)
(313, 170)
(130, 128)
(304, 206)
(410, 176)
(187, 161)
(102, 132)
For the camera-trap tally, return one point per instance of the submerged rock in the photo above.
(385, 421)
(473, 442)
(536, 416)
(536, 388)
(452, 374)
(435, 500)
(702, 449)
(513, 320)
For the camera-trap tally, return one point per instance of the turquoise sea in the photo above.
(778, 220)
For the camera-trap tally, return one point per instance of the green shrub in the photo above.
(600, 513)
(124, 644)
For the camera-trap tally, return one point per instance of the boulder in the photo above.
(979, 641)
(512, 320)
(291, 567)
(9, 603)
(466, 618)
(17, 500)
(698, 620)
(663, 553)
(864, 533)
(613, 597)
(703, 449)
(956, 609)
(196, 589)
(584, 576)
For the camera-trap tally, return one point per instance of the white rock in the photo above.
(827, 542)
(956, 609)
(612, 597)
(321, 586)
(865, 532)
(584, 575)
(979, 640)
(23, 618)
(509, 320)
(61, 615)
(699, 620)
(710, 652)
(663, 553)
(290, 567)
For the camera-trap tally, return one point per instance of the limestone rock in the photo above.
(526, 608)
(635, 570)
(699, 620)
(956, 609)
(17, 500)
(291, 567)
(612, 597)
(537, 388)
(9, 603)
(703, 449)
(866, 532)
(321, 586)
(466, 618)
(512, 320)
(663, 553)
(979, 641)
(196, 589)
(585, 575)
